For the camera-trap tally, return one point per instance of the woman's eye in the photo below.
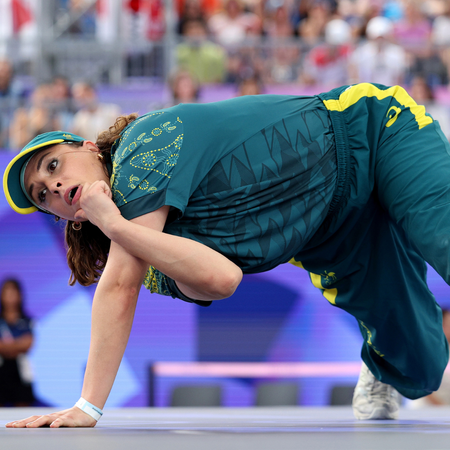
(52, 165)
(41, 195)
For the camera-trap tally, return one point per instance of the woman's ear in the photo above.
(89, 145)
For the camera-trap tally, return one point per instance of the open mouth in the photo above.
(72, 193)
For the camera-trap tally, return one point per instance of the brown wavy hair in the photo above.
(88, 248)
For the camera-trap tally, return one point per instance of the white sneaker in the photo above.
(373, 399)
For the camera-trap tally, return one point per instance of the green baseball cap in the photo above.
(13, 178)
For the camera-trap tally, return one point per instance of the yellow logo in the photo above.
(328, 278)
(392, 113)
(67, 136)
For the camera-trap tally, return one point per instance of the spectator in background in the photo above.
(250, 86)
(39, 118)
(283, 65)
(190, 10)
(312, 27)
(440, 37)
(201, 57)
(92, 116)
(378, 60)
(62, 101)
(427, 63)
(234, 24)
(196, 9)
(423, 94)
(184, 88)
(413, 31)
(16, 339)
(277, 22)
(327, 65)
(12, 95)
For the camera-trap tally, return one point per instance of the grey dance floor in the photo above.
(291, 428)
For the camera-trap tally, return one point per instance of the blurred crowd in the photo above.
(251, 44)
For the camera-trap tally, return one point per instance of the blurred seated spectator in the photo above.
(423, 94)
(440, 31)
(12, 95)
(312, 27)
(38, 118)
(246, 62)
(413, 30)
(62, 101)
(277, 21)
(249, 86)
(196, 9)
(326, 65)
(233, 24)
(184, 88)
(16, 338)
(282, 65)
(92, 116)
(201, 57)
(378, 60)
(190, 10)
(427, 63)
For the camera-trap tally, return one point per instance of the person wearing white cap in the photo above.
(327, 65)
(378, 60)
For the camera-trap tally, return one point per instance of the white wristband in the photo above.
(89, 408)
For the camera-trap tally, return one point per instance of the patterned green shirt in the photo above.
(251, 177)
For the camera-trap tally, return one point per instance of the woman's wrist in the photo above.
(90, 409)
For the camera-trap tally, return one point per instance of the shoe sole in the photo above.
(377, 414)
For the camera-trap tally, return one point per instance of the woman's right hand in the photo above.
(72, 417)
(96, 204)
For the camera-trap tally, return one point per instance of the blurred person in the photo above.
(250, 86)
(247, 62)
(326, 65)
(378, 60)
(429, 63)
(38, 118)
(312, 27)
(232, 25)
(413, 30)
(184, 88)
(62, 101)
(201, 57)
(92, 116)
(440, 31)
(12, 95)
(196, 9)
(16, 339)
(424, 95)
(190, 10)
(283, 65)
(277, 22)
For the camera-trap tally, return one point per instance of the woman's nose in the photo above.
(55, 187)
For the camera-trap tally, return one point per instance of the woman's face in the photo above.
(10, 296)
(55, 177)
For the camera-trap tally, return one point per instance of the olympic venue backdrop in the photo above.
(276, 316)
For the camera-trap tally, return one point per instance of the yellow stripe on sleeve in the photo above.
(358, 91)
